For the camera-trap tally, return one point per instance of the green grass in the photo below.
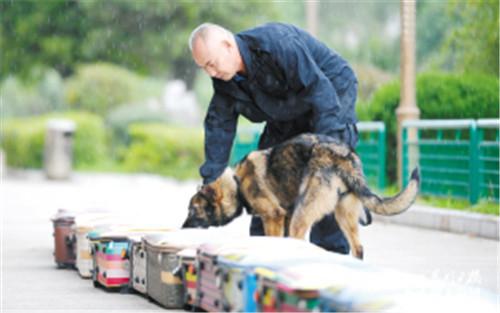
(484, 206)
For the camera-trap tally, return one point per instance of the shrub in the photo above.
(100, 87)
(23, 139)
(23, 142)
(122, 117)
(370, 78)
(162, 149)
(439, 96)
(41, 94)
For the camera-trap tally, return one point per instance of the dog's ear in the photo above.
(208, 191)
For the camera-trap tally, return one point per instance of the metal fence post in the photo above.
(404, 167)
(381, 159)
(473, 165)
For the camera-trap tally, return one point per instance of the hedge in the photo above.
(166, 150)
(23, 139)
(100, 87)
(439, 96)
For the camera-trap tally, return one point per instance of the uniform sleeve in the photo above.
(313, 87)
(220, 128)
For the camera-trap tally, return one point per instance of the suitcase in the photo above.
(96, 247)
(138, 260)
(280, 287)
(266, 296)
(298, 286)
(379, 290)
(112, 265)
(84, 223)
(64, 254)
(139, 277)
(209, 296)
(164, 273)
(112, 254)
(211, 282)
(238, 285)
(187, 258)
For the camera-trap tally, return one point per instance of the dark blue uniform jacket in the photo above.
(290, 76)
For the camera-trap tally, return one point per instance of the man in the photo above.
(279, 74)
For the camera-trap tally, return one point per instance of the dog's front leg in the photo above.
(272, 215)
(274, 225)
(264, 204)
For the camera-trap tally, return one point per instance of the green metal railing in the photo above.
(246, 141)
(457, 158)
(488, 158)
(371, 148)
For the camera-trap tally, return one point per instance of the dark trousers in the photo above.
(325, 233)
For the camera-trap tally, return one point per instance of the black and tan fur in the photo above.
(294, 185)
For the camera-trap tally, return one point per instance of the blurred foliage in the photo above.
(147, 36)
(434, 25)
(41, 33)
(81, 39)
(363, 32)
(370, 79)
(157, 148)
(473, 44)
(21, 98)
(451, 35)
(439, 96)
(203, 89)
(23, 139)
(100, 87)
(119, 120)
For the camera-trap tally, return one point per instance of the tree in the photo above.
(38, 33)
(433, 27)
(149, 37)
(473, 46)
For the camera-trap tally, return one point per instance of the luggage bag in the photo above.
(84, 223)
(238, 282)
(163, 270)
(138, 258)
(64, 254)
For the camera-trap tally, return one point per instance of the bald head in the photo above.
(204, 31)
(215, 50)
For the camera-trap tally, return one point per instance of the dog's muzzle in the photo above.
(193, 222)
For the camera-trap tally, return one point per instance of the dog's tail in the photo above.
(392, 205)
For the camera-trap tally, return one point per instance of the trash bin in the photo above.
(58, 156)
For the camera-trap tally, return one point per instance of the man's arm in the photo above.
(313, 86)
(220, 129)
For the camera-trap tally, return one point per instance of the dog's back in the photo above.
(289, 162)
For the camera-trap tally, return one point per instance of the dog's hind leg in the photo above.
(318, 196)
(347, 215)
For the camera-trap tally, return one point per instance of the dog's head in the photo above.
(215, 204)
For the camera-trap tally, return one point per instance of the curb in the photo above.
(473, 224)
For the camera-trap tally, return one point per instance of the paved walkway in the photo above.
(30, 282)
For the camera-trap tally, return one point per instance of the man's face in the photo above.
(216, 55)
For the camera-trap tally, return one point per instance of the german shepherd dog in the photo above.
(292, 186)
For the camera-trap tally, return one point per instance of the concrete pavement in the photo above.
(30, 282)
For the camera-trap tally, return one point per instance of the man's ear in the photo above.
(227, 44)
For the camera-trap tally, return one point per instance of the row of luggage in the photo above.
(204, 269)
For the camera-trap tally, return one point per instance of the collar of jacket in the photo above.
(246, 55)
